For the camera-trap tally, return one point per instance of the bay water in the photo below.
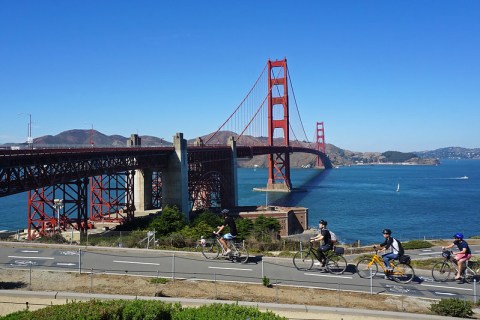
(358, 201)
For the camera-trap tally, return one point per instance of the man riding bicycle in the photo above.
(392, 244)
(464, 253)
(230, 222)
(324, 236)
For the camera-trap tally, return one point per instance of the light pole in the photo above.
(58, 204)
(29, 130)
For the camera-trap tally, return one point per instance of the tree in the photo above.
(171, 220)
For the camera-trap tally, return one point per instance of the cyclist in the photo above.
(230, 222)
(392, 244)
(324, 236)
(464, 253)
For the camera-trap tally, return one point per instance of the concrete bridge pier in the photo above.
(232, 190)
(142, 190)
(175, 178)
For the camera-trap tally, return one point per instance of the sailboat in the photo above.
(398, 187)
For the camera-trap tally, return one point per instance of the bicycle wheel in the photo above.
(366, 268)
(403, 273)
(211, 250)
(469, 275)
(241, 254)
(303, 260)
(336, 264)
(441, 271)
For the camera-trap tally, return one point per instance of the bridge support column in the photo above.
(232, 190)
(175, 178)
(143, 189)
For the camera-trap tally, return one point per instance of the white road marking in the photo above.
(65, 264)
(327, 275)
(445, 293)
(20, 257)
(429, 253)
(239, 269)
(446, 287)
(135, 262)
(30, 251)
(427, 250)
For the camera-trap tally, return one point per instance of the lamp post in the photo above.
(29, 130)
(58, 204)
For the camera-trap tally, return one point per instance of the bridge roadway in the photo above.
(24, 170)
(169, 264)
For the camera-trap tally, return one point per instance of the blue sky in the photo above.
(382, 75)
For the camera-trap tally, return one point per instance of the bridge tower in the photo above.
(278, 114)
(320, 142)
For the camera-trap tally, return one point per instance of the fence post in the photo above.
(30, 276)
(79, 261)
(91, 280)
(475, 291)
(173, 268)
(263, 273)
(371, 282)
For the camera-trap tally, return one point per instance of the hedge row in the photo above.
(140, 310)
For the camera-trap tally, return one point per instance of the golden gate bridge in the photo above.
(110, 184)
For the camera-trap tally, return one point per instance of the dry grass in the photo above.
(138, 286)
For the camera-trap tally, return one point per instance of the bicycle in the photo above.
(441, 270)
(211, 249)
(401, 272)
(335, 263)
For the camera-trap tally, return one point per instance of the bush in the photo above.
(140, 309)
(416, 244)
(224, 311)
(453, 308)
(171, 220)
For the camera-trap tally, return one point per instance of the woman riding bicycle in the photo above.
(227, 221)
(464, 253)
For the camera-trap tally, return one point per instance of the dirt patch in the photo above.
(138, 286)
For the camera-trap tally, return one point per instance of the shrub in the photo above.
(453, 308)
(171, 220)
(140, 309)
(266, 281)
(416, 244)
(224, 311)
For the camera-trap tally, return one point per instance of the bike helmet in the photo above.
(225, 212)
(458, 236)
(323, 222)
(387, 231)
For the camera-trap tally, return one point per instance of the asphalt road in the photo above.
(156, 263)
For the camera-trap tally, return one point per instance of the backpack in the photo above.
(333, 236)
(400, 249)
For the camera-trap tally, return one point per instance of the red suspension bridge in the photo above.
(110, 184)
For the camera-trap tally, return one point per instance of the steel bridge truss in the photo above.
(208, 178)
(157, 190)
(112, 197)
(45, 218)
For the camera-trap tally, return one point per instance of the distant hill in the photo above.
(451, 153)
(81, 138)
(338, 156)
